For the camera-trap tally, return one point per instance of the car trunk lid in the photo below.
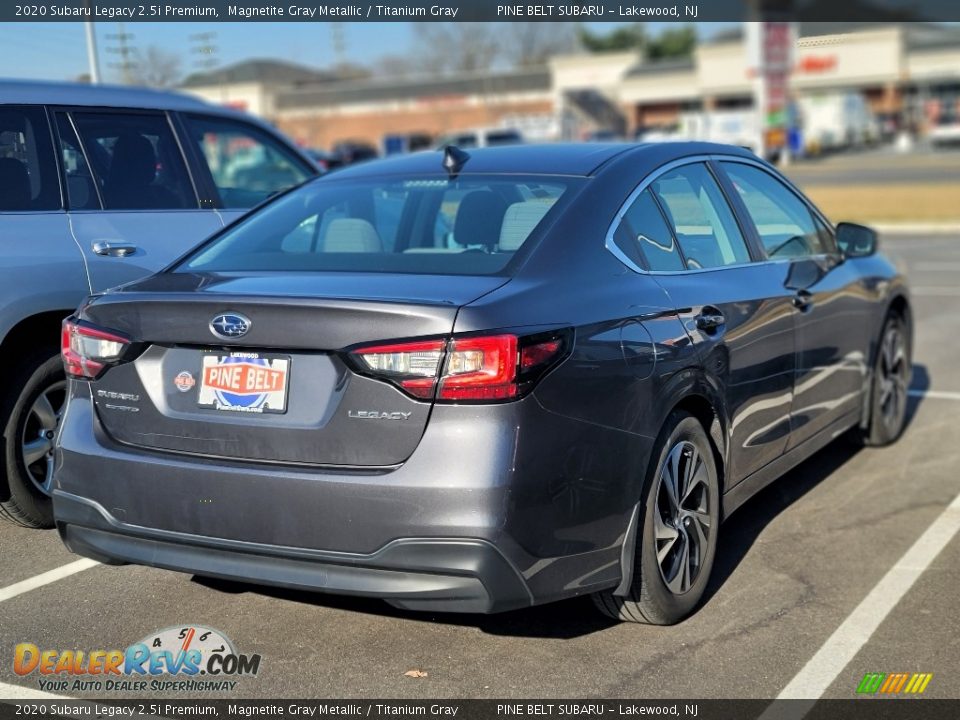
(282, 390)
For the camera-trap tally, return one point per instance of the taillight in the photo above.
(87, 350)
(484, 368)
(413, 366)
(480, 368)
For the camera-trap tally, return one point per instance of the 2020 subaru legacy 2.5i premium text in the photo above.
(476, 382)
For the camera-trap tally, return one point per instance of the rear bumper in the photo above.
(438, 574)
(499, 507)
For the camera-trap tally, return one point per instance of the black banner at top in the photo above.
(481, 10)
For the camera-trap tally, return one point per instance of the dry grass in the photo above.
(915, 202)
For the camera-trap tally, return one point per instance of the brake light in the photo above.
(538, 354)
(480, 368)
(87, 350)
(463, 369)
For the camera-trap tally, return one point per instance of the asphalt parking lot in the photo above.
(794, 565)
(880, 166)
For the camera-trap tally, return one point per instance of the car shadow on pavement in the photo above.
(565, 619)
(745, 525)
(577, 617)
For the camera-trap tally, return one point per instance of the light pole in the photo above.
(93, 61)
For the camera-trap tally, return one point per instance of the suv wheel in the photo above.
(678, 539)
(28, 441)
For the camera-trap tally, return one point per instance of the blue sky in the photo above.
(56, 51)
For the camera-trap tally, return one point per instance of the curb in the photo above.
(918, 228)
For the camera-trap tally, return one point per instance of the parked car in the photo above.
(354, 151)
(101, 186)
(603, 135)
(399, 143)
(482, 137)
(730, 126)
(946, 130)
(326, 161)
(664, 132)
(626, 343)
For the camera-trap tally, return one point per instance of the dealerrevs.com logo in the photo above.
(188, 658)
(894, 683)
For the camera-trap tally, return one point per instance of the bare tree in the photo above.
(532, 43)
(457, 47)
(394, 67)
(155, 67)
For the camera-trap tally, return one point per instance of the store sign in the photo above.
(770, 62)
(815, 64)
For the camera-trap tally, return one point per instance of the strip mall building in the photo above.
(911, 71)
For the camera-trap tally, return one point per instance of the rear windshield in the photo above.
(464, 226)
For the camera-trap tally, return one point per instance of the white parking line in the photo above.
(935, 291)
(11, 591)
(939, 266)
(843, 645)
(936, 394)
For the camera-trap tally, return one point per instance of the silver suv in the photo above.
(100, 186)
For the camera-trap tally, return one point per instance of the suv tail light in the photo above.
(480, 368)
(87, 350)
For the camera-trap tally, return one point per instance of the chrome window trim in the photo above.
(610, 243)
(186, 162)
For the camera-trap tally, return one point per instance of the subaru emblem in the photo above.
(230, 326)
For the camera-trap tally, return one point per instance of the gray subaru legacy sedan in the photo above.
(476, 381)
(99, 186)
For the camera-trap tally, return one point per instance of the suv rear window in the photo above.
(465, 226)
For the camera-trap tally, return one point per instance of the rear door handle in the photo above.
(114, 249)
(710, 319)
(803, 299)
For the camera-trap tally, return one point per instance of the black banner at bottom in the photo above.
(853, 709)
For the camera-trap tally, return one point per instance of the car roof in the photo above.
(33, 92)
(579, 159)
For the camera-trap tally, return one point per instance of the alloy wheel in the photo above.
(892, 378)
(682, 528)
(39, 431)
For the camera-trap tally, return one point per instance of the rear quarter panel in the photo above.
(42, 269)
(579, 476)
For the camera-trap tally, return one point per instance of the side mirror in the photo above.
(804, 273)
(856, 240)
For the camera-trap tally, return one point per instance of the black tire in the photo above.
(27, 504)
(891, 379)
(654, 597)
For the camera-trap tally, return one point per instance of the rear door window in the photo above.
(784, 222)
(644, 237)
(135, 161)
(702, 221)
(246, 165)
(28, 168)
